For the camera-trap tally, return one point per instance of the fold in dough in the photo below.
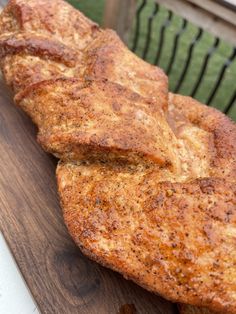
(146, 178)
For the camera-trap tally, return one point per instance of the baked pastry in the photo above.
(146, 178)
(171, 234)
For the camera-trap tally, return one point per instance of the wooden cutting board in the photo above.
(60, 278)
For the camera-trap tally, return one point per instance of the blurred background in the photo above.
(199, 62)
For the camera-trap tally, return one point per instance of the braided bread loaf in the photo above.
(146, 178)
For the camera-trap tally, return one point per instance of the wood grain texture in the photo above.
(119, 15)
(60, 278)
(212, 21)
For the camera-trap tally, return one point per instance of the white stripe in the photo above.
(15, 297)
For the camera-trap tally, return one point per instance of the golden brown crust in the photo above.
(55, 33)
(55, 19)
(97, 119)
(70, 29)
(223, 130)
(28, 58)
(21, 71)
(147, 187)
(107, 57)
(37, 45)
(175, 239)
